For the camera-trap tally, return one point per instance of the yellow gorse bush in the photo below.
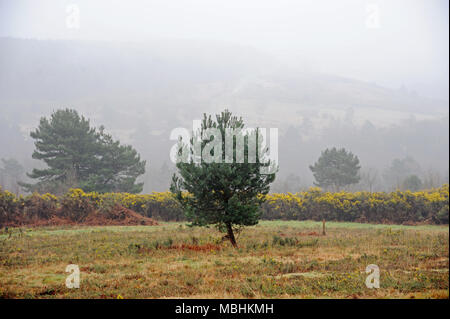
(396, 207)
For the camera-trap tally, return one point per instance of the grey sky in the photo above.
(410, 46)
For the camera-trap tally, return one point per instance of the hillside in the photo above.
(141, 92)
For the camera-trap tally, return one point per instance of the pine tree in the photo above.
(336, 169)
(117, 169)
(77, 155)
(67, 144)
(227, 195)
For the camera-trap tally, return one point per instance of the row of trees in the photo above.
(403, 174)
(78, 155)
(400, 175)
(221, 193)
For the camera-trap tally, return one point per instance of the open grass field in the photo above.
(275, 259)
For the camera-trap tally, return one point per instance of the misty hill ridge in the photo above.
(171, 77)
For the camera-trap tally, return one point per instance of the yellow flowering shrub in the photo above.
(76, 204)
(9, 204)
(395, 207)
(430, 206)
(36, 207)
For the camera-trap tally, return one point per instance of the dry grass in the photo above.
(275, 260)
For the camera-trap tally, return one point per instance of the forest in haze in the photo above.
(141, 92)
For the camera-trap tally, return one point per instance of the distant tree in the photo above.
(226, 193)
(432, 178)
(412, 183)
(164, 175)
(369, 177)
(292, 183)
(335, 169)
(77, 155)
(11, 173)
(67, 144)
(399, 170)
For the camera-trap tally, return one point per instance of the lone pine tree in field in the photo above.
(77, 155)
(228, 191)
(335, 169)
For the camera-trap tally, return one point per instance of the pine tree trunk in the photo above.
(231, 235)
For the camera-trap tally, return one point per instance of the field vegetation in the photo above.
(274, 259)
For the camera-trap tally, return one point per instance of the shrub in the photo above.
(430, 206)
(9, 206)
(397, 207)
(38, 207)
(76, 204)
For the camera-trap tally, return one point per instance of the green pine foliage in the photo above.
(227, 195)
(335, 169)
(78, 155)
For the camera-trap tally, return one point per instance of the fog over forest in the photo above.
(387, 102)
